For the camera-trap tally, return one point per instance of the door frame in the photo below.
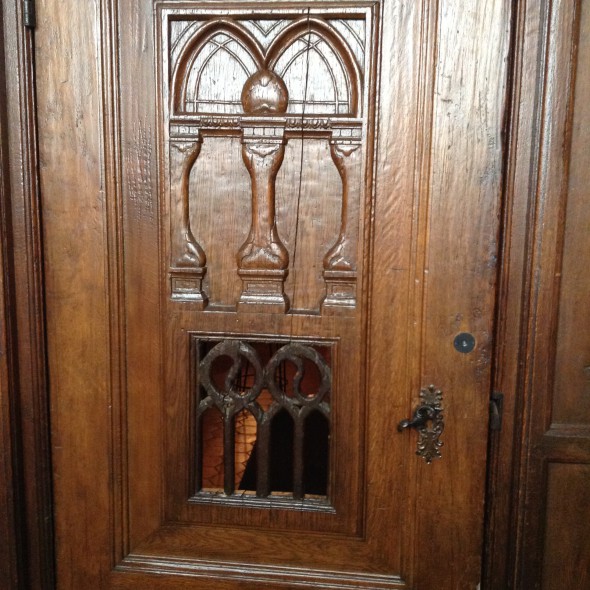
(25, 467)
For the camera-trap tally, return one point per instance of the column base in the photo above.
(187, 285)
(263, 291)
(340, 291)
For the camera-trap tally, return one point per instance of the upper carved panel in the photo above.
(212, 60)
(277, 80)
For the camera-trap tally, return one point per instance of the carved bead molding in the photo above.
(286, 73)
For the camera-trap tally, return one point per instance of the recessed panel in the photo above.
(572, 363)
(265, 114)
(567, 535)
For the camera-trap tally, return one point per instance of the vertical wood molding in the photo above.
(520, 178)
(11, 553)
(112, 179)
(509, 310)
(23, 321)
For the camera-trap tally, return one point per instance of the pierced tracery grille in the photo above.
(262, 419)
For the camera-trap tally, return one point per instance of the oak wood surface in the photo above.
(123, 296)
(517, 556)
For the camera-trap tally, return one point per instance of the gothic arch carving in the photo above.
(284, 40)
(193, 48)
(334, 40)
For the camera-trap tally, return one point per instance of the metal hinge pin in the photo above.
(29, 16)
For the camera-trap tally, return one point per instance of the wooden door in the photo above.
(270, 235)
(551, 544)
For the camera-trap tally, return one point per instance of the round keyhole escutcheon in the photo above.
(464, 342)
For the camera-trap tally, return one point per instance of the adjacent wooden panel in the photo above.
(567, 534)
(555, 347)
(571, 403)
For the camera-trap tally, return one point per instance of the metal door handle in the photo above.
(421, 416)
(430, 410)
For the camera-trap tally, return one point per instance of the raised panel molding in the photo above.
(268, 109)
(253, 574)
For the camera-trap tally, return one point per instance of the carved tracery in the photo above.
(265, 380)
(282, 78)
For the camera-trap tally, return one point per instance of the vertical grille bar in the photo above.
(262, 458)
(298, 486)
(229, 458)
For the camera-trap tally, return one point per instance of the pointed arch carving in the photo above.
(337, 43)
(267, 60)
(194, 47)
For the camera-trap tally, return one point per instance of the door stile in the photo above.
(451, 193)
(429, 35)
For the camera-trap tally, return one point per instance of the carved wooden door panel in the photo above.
(269, 227)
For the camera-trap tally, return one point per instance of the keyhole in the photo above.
(464, 342)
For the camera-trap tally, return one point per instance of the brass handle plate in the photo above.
(428, 420)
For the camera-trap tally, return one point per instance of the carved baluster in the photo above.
(340, 261)
(188, 258)
(263, 259)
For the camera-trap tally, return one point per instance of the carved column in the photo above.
(188, 258)
(263, 259)
(340, 261)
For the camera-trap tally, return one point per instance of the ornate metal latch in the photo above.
(430, 410)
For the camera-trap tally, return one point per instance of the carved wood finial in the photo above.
(265, 93)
